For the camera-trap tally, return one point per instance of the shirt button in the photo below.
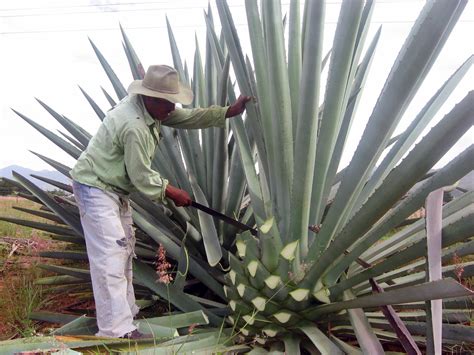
(138, 118)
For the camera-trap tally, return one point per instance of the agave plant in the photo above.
(333, 258)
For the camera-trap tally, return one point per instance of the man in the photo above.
(116, 162)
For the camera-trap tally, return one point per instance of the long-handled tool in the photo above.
(224, 218)
(235, 223)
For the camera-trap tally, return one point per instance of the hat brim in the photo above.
(183, 96)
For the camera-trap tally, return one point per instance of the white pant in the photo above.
(110, 239)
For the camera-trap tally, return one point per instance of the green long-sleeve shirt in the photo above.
(118, 157)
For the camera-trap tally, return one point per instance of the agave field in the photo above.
(335, 267)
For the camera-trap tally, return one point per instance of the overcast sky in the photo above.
(45, 53)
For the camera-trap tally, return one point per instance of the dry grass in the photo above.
(6, 210)
(19, 256)
(16, 239)
(19, 296)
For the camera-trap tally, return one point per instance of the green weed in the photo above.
(19, 297)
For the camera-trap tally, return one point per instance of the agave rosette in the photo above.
(277, 170)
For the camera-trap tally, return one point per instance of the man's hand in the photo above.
(180, 197)
(238, 107)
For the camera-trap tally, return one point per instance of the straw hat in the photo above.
(162, 81)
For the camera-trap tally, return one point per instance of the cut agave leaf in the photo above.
(208, 228)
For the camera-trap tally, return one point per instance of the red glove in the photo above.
(180, 197)
(237, 107)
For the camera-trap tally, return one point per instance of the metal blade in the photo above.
(224, 218)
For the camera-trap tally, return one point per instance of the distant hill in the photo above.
(50, 174)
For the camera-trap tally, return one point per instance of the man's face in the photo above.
(158, 108)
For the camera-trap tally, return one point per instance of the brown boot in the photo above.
(135, 334)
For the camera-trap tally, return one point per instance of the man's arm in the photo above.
(213, 116)
(195, 118)
(144, 178)
(138, 165)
